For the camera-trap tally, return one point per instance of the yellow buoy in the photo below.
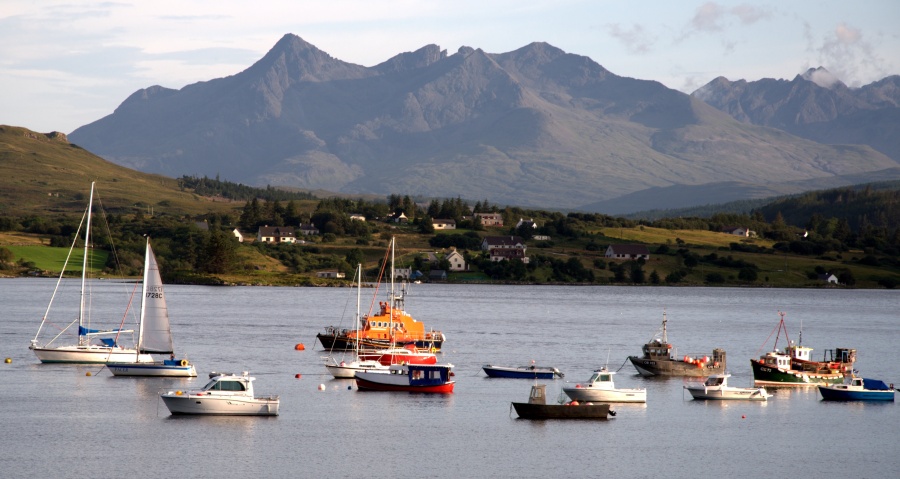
(8, 360)
(87, 373)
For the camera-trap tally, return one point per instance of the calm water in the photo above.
(58, 422)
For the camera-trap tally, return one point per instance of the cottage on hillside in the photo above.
(490, 219)
(501, 248)
(276, 234)
(456, 259)
(627, 251)
(444, 224)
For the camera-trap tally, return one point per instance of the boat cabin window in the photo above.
(605, 377)
(714, 381)
(227, 386)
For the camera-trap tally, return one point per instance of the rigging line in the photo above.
(778, 327)
(622, 366)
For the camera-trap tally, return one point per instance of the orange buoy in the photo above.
(687, 359)
(574, 403)
(300, 347)
(87, 373)
(298, 375)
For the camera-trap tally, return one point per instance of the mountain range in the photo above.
(535, 127)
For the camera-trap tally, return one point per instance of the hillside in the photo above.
(535, 127)
(44, 173)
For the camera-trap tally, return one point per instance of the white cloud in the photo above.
(635, 39)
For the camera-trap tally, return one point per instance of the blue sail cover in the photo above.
(82, 331)
(875, 385)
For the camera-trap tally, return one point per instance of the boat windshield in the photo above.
(224, 385)
(714, 381)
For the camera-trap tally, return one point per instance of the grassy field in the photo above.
(52, 259)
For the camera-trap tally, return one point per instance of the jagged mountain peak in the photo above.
(423, 57)
(821, 77)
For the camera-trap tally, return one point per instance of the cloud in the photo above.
(636, 39)
(846, 53)
(712, 17)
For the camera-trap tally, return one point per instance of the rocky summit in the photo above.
(533, 127)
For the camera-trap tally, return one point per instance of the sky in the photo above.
(64, 64)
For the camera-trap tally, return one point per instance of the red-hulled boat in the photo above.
(420, 378)
(408, 354)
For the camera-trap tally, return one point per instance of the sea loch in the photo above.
(60, 422)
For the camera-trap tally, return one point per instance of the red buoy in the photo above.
(298, 375)
(300, 347)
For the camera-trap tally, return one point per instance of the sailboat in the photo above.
(346, 369)
(154, 332)
(85, 351)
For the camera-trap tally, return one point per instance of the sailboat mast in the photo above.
(84, 265)
(140, 341)
(393, 295)
(358, 299)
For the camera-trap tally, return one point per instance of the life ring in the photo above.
(183, 363)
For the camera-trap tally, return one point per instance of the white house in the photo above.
(738, 231)
(444, 224)
(457, 261)
(358, 217)
(829, 278)
(237, 234)
(627, 251)
(276, 234)
(308, 229)
(330, 274)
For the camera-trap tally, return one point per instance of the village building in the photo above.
(444, 224)
(490, 219)
(627, 251)
(276, 234)
(501, 248)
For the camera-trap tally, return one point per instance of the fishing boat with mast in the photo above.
(659, 359)
(345, 369)
(391, 326)
(93, 345)
(794, 366)
(154, 331)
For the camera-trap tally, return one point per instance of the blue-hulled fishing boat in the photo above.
(856, 388)
(524, 372)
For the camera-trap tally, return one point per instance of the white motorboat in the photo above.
(154, 331)
(94, 345)
(716, 387)
(601, 388)
(224, 394)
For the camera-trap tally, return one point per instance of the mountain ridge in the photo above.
(535, 127)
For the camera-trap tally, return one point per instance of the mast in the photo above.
(84, 263)
(358, 293)
(140, 341)
(665, 338)
(393, 295)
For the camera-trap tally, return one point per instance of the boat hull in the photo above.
(769, 376)
(348, 370)
(655, 367)
(88, 355)
(519, 373)
(607, 395)
(559, 411)
(729, 394)
(338, 342)
(364, 383)
(155, 369)
(220, 406)
(830, 394)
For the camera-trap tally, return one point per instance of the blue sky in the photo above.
(64, 64)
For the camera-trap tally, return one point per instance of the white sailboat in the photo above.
(346, 369)
(85, 351)
(154, 331)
